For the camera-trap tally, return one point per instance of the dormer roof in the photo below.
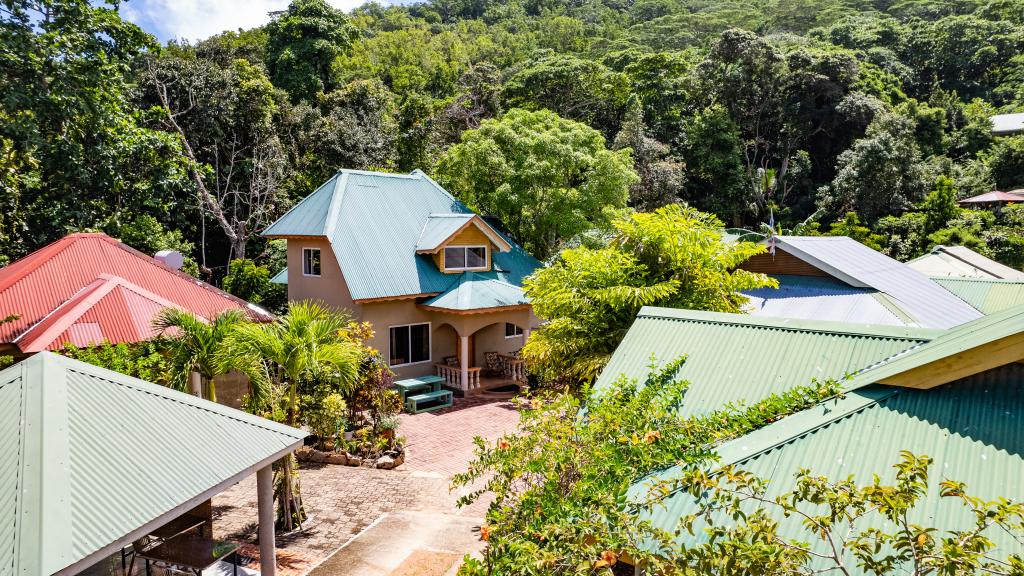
(440, 228)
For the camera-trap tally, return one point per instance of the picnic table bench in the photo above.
(423, 383)
(437, 400)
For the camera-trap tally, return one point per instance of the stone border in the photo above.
(387, 461)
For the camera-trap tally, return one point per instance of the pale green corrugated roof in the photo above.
(743, 358)
(471, 291)
(440, 227)
(986, 295)
(281, 277)
(972, 427)
(374, 221)
(88, 456)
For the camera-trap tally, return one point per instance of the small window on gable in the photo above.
(310, 261)
(512, 330)
(465, 257)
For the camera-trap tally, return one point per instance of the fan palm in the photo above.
(196, 345)
(305, 343)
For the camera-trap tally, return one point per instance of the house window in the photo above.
(465, 257)
(512, 330)
(409, 344)
(310, 261)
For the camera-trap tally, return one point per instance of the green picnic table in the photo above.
(423, 383)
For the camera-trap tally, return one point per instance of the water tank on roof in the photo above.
(170, 258)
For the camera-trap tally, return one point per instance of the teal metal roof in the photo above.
(440, 227)
(89, 457)
(741, 358)
(374, 221)
(986, 295)
(972, 428)
(281, 277)
(471, 291)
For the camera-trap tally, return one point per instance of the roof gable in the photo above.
(741, 358)
(439, 229)
(59, 278)
(927, 303)
(374, 222)
(70, 494)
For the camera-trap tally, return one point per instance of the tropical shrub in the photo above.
(589, 297)
(147, 360)
(326, 418)
(559, 484)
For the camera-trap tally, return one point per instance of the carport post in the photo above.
(265, 503)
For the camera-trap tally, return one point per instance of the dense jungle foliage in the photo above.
(824, 116)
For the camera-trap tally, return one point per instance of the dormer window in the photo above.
(465, 257)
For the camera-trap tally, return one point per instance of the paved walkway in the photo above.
(343, 501)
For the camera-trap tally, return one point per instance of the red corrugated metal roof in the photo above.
(85, 285)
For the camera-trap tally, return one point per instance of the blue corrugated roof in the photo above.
(813, 298)
(472, 291)
(281, 277)
(927, 303)
(374, 221)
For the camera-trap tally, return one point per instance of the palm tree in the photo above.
(195, 347)
(305, 343)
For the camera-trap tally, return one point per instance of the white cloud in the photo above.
(198, 19)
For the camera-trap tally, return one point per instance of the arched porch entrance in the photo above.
(478, 353)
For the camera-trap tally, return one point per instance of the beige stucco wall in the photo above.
(329, 287)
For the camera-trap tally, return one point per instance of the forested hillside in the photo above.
(870, 114)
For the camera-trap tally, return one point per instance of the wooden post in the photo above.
(526, 332)
(195, 382)
(464, 364)
(265, 504)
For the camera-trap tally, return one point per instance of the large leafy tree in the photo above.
(546, 177)
(303, 43)
(589, 297)
(74, 152)
(308, 342)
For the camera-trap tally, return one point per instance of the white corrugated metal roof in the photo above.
(1007, 123)
(963, 262)
(928, 304)
(90, 459)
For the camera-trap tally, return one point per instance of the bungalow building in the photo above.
(837, 278)
(955, 396)
(89, 288)
(440, 285)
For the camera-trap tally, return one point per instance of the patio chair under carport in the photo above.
(73, 498)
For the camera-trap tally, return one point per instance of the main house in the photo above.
(440, 285)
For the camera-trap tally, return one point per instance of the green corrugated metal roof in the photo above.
(743, 358)
(972, 428)
(986, 295)
(374, 221)
(440, 227)
(472, 291)
(90, 455)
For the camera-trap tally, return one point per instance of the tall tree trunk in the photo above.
(290, 512)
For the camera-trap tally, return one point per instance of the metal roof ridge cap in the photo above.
(334, 209)
(80, 302)
(778, 433)
(975, 279)
(796, 325)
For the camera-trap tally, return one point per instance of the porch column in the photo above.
(195, 383)
(265, 504)
(526, 332)
(464, 361)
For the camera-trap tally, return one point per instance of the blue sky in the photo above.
(198, 19)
